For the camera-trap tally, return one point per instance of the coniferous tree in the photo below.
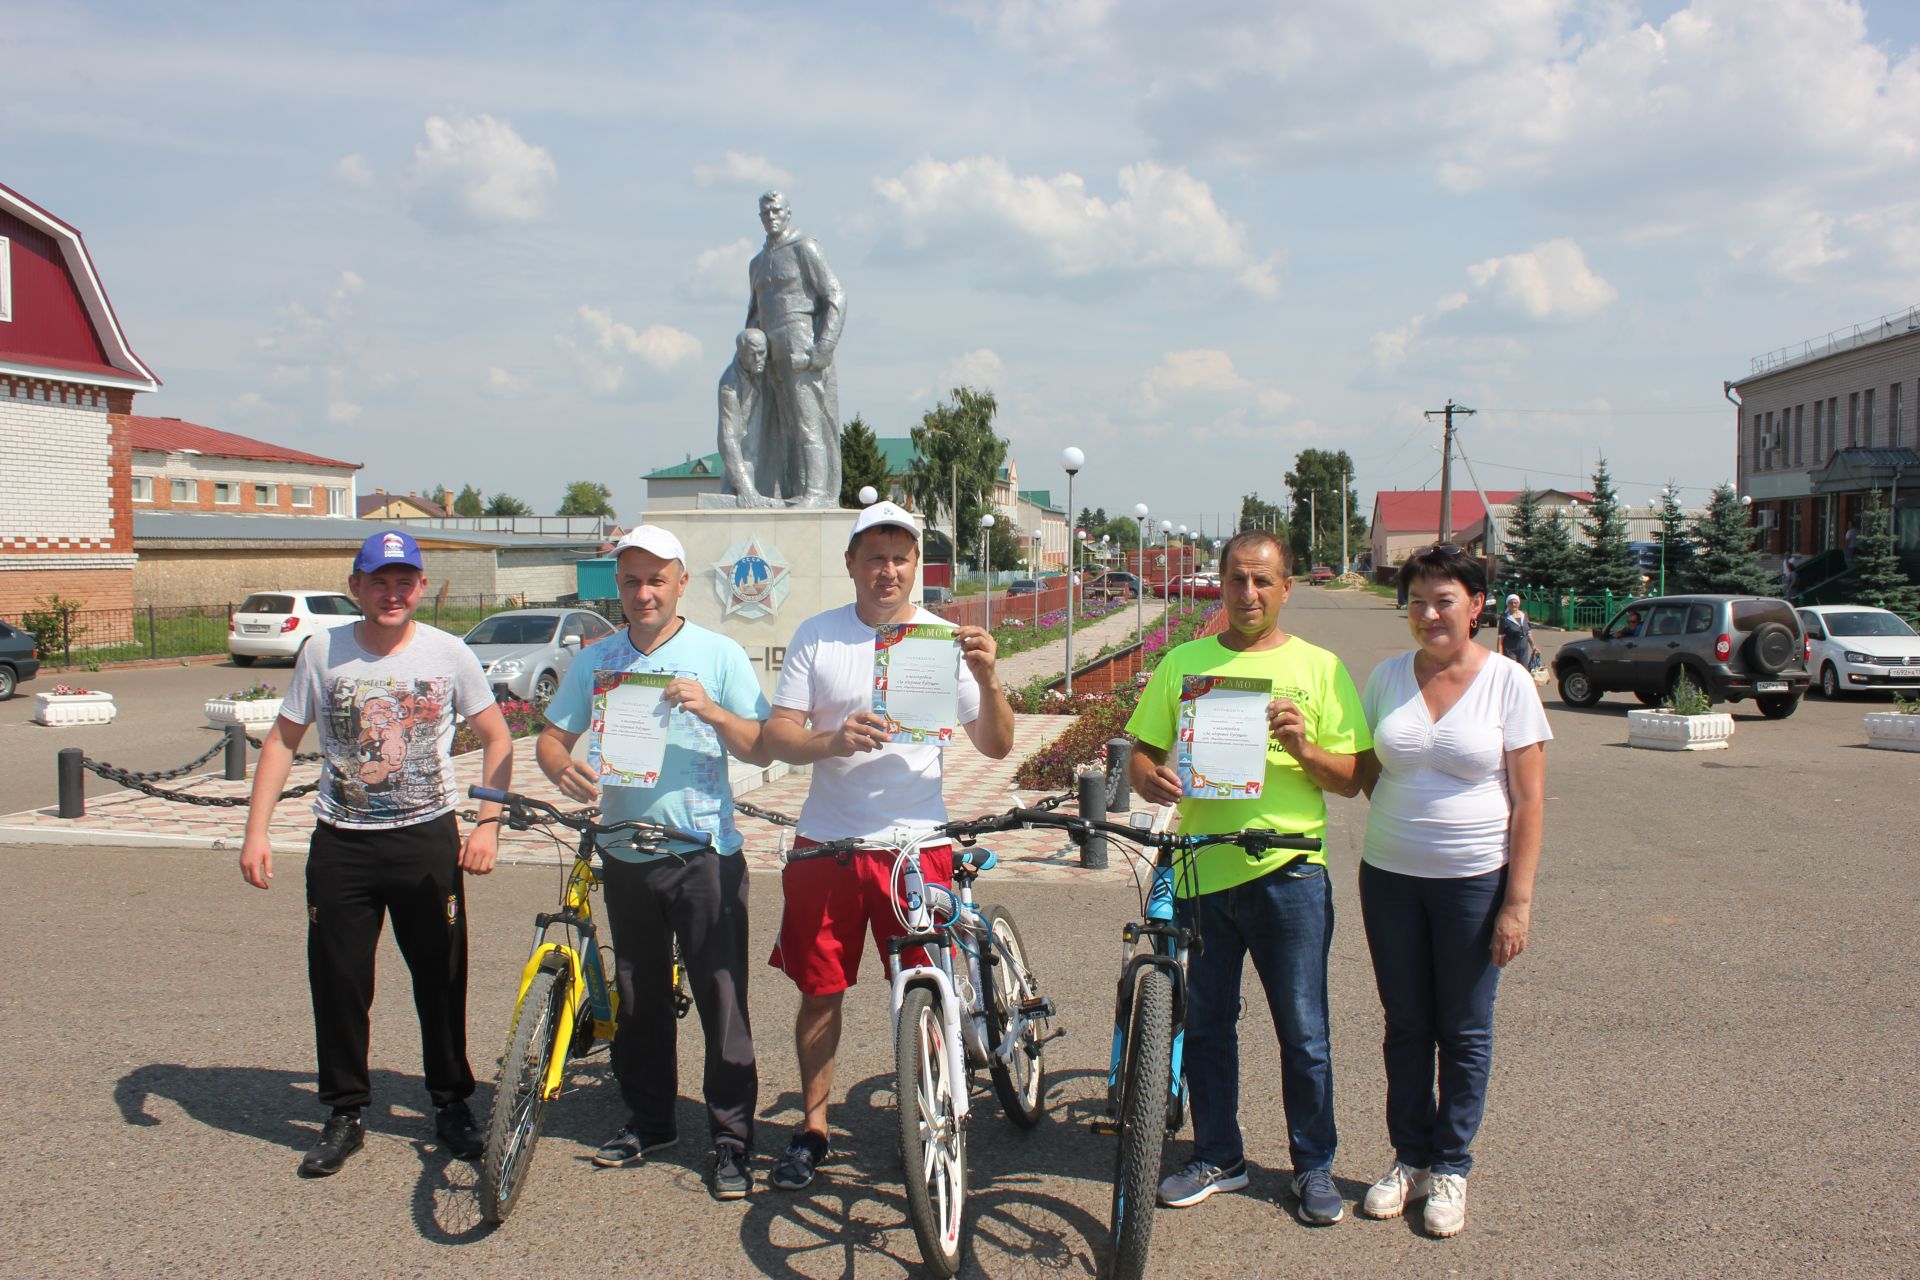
(1677, 545)
(1726, 561)
(861, 463)
(1557, 559)
(1607, 562)
(470, 502)
(1878, 578)
(1518, 546)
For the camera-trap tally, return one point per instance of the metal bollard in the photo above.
(73, 782)
(236, 753)
(1093, 804)
(1119, 794)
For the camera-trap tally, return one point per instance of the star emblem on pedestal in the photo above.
(752, 580)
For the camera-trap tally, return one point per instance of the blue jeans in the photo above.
(1285, 923)
(1432, 945)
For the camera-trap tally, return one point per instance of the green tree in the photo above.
(1878, 578)
(1317, 479)
(1519, 540)
(587, 498)
(1125, 532)
(955, 446)
(1540, 550)
(1725, 560)
(861, 463)
(1257, 513)
(469, 503)
(1607, 562)
(1677, 546)
(505, 504)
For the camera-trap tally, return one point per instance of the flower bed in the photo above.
(523, 721)
(1097, 717)
(255, 706)
(70, 705)
(1669, 731)
(1892, 730)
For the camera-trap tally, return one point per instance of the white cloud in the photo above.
(602, 346)
(1163, 220)
(247, 403)
(1550, 281)
(500, 382)
(352, 170)
(720, 274)
(341, 411)
(476, 171)
(1185, 375)
(740, 169)
(981, 369)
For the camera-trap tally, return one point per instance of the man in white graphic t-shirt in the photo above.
(864, 785)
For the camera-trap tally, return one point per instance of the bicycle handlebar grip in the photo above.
(492, 795)
(689, 837)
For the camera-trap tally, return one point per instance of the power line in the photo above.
(1612, 413)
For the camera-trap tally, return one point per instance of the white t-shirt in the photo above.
(828, 674)
(1441, 808)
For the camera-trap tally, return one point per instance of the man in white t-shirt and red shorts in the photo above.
(864, 786)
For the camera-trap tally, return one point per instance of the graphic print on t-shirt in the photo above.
(383, 761)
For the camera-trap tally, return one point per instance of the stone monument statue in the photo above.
(755, 464)
(799, 305)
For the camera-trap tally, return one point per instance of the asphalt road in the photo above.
(1705, 1062)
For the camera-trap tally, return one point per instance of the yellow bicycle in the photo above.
(566, 1005)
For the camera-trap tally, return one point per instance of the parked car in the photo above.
(1320, 573)
(1110, 586)
(1857, 647)
(1023, 587)
(19, 657)
(525, 652)
(931, 596)
(275, 624)
(1732, 647)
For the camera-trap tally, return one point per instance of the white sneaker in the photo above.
(1447, 1205)
(1388, 1197)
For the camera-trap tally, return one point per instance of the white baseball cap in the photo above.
(885, 513)
(654, 540)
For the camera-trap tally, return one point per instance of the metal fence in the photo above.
(1563, 608)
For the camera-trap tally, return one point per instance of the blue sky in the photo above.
(506, 244)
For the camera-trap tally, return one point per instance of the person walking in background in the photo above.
(1516, 634)
(1457, 777)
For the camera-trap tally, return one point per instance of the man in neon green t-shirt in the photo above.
(1244, 907)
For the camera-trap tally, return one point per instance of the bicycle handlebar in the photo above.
(521, 811)
(1255, 841)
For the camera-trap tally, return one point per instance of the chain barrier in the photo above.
(140, 782)
(765, 815)
(158, 775)
(300, 757)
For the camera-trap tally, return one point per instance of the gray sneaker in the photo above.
(1320, 1202)
(1198, 1180)
(628, 1147)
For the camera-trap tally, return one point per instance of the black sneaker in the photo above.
(628, 1147)
(459, 1135)
(731, 1177)
(342, 1136)
(803, 1156)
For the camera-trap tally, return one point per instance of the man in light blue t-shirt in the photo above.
(651, 899)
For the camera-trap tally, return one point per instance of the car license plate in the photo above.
(1904, 673)
(253, 628)
(1770, 686)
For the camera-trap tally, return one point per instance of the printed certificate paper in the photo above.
(1222, 749)
(916, 681)
(628, 739)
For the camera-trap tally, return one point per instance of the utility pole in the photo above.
(1446, 467)
(1313, 526)
(1343, 521)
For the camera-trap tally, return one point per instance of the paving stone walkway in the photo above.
(1051, 659)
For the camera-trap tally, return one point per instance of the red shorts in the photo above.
(830, 908)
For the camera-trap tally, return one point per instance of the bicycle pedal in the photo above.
(1038, 1007)
(1105, 1125)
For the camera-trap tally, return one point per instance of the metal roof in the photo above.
(172, 526)
(173, 435)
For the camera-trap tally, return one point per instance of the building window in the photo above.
(266, 495)
(336, 502)
(226, 493)
(1816, 433)
(183, 493)
(1853, 419)
(1799, 434)
(1759, 434)
(1894, 425)
(1866, 418)
(303, 495)
(143, 488)
(1833, 425)
(6, 279)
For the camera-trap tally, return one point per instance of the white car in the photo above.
(1857, 646)
(274, 624)
(525, 652)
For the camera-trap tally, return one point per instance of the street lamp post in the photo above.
(1666, 495)
(986, 564)
(1033, 568)
(1140, 576)
(1186, 574)
(868, 495)
(1071, 460)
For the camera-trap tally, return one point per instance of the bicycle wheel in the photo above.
(933, 1146)
(1144, 1081)
(514, 1128)
(1010, 984)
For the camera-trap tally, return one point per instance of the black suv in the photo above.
(1733, 648)
(19, 657)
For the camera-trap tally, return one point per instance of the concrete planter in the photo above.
(257, 714)
(73, 708)
(1665, 731)
(1892, 731)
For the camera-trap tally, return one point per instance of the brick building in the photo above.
(183, 466)
(67, 382)
(1822, 425)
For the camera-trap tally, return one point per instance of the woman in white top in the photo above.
(1457, 776)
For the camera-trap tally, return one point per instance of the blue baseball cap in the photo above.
(384, 550)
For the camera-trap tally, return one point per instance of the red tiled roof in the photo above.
(1418, 510)
(64, 366)
(171, 435)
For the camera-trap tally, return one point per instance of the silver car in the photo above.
(524, 653)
